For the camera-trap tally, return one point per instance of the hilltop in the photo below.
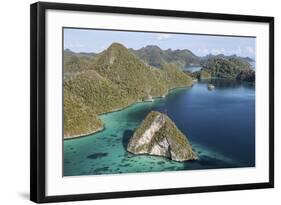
(158, 135)
(110, 81)
(97, 83)
(155, 56)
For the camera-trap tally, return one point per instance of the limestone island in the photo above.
(158, 135)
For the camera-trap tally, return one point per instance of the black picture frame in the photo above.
(38, 101)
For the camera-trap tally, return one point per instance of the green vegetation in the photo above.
(76, 63)
(243, 59)
(78, 118)
(155, 56)
(117, 77)
(246, 75)
(227, 67)
(204, 75)
(110, 81)
(163, 138)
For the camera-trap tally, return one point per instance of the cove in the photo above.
(220, 125)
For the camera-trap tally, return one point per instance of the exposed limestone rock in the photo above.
(158, 135)
(210, 86)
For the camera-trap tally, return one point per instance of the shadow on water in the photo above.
(97, 155)
(226, 83)
(127, 134)
(207, 162)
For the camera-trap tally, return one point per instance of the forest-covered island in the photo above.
(97, 83)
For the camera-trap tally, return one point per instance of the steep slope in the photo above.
(185, 57)
(75, 63)
(158, 135)
(225, 67)
(152, 55)
(155, 56)
(97, 92)
(133, 76)
(113, 80)
(79, 119)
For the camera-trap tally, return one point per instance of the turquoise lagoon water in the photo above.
(220, 125)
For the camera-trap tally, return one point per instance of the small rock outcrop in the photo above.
(210, 86)
(158, 135)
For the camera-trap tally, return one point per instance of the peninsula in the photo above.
(110, 81)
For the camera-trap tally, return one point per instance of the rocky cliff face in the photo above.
(158, 135)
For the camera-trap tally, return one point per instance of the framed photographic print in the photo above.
(129, 102)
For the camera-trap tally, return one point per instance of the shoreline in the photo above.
(122, 108)
(85, 134)
(145, 101)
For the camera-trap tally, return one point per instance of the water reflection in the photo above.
(227, 84)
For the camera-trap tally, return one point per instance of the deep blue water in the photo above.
(220, 124)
